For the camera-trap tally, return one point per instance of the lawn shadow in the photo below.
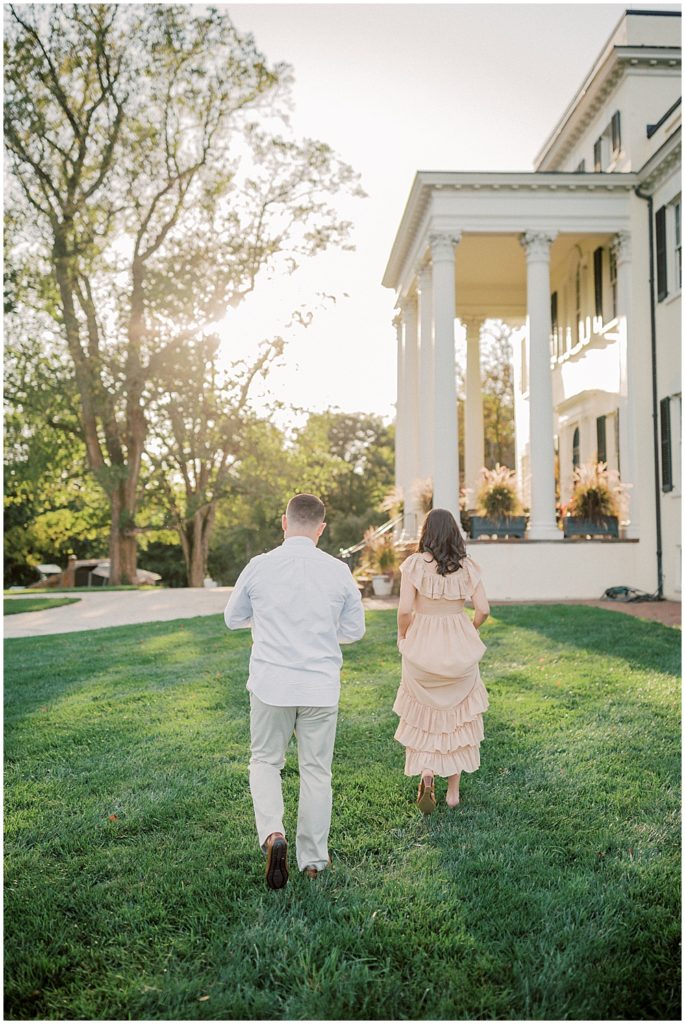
(639, 642)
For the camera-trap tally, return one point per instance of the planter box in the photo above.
(506, 526)
(382, 586)
(602, 526)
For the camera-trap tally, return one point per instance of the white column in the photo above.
(446, 448)
(542, 525)
(629, 377)
(410, 420)
(474, 437)
(399, 405)
(426, 358)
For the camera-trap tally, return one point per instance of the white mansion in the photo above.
(583, 257)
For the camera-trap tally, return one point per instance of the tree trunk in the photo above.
(123, 543)
(196, 569)
(195, 537)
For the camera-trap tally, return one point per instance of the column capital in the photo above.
(398, 320)
(537, 244)
(442, 244)
(407, 305)
(424, 276)
(621, 247)
(472, 325)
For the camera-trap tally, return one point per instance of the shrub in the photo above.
(497, 495)
(597, 491)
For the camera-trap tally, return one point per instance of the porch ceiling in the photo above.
(490, 272)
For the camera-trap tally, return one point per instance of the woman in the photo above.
(441, 698)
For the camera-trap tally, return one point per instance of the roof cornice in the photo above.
(660, 164)
(604, 77)
(427, 182)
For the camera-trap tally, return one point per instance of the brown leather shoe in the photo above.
(312, 872)
(276, 862)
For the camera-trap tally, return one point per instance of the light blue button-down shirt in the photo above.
(301, 604)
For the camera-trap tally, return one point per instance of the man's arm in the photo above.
(351, 625)
(238, 612)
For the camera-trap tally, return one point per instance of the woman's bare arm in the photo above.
(407, 594)
(481, 606)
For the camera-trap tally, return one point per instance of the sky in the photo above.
(393, 89)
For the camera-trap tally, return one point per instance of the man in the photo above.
(302, 604)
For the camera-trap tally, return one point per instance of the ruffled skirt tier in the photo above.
(441, 699)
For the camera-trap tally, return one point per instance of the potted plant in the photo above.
(498, 505)
(598, 499)
(385, 561)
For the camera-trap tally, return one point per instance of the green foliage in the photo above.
(134, 886)
(347, 459)
(497, 388)
(166, 559)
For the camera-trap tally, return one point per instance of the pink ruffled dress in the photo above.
(441, 698)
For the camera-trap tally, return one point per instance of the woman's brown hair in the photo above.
(441, 538)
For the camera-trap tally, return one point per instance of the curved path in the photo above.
(128, 607)
(117, 608)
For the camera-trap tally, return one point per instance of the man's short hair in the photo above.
(306, 509)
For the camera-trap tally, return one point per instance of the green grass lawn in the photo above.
(134, 887)
(17, 606)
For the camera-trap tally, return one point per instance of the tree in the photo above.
(348, 460)
(498, 396)
(202, 430)
(497, 387)
(150, 184)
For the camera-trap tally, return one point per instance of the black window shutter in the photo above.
(576, 448)
(601, 439)
(599, 270)
(666, 466)
(616, 133)
(661, 257)
(598, 155)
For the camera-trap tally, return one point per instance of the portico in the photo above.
(473, 247)
(478, 246)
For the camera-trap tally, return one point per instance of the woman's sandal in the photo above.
(425, 801)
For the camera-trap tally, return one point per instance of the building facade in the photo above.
(582, 256)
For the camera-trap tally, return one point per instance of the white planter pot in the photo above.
(382, 586)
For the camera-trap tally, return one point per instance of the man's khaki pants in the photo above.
(270, 730)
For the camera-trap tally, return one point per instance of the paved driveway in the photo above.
(117, 608)
(126, 607)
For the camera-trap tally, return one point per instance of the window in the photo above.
(580, 169)
(661, 259)
(599, 271)
(601, 439)
(597, 152)
(678, 252)
(616, 134)
(613, 283)
(666, 461)
(576, 448)
(555, 323)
